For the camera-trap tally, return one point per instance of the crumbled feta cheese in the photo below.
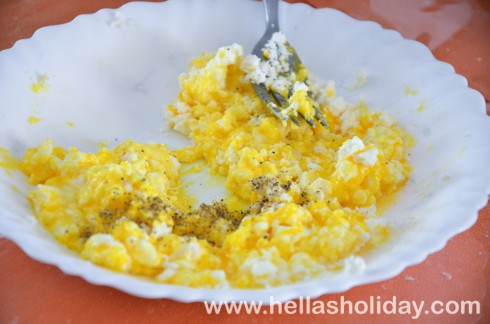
(278, 229)
(368, 157)
(395, 171)
(313, 166)
(174, 161)
(259, 266)
(249, 64)
(130, 157)
(291, 110)
(220, 276)
(346, 170)
(261, 227)
(349, 120)
(274, 71)
(166, 274)
(364, 235)
(160, 229)
(354, 265)
(298, 86)
(285, 197)
(180, 122)
(191, 250)
(374, 223)
(322, 92)
(143, 252)
(228, 55)
(182, 107)
(321, 188)
(104, 239)
(232, 156)
(350, 147)
(355, 147)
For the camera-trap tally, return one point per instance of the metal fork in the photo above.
(275, 101)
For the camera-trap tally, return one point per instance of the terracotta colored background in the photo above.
(456, 31)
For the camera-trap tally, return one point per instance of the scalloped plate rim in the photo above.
(187, 294)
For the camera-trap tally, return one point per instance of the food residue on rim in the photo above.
(41, 84)
(33, 120)
(8, 162)
(410, 92)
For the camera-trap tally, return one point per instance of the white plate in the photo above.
(113, 72)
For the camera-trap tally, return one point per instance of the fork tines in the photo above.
(277, 105)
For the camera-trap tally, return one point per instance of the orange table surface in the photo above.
(456, 31)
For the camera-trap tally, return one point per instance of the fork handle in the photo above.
(272, 15)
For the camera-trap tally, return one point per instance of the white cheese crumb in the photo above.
(350, 147)
(349, 120)
(277, 228)
(191, 250)
(320, 188)
(104, 239)
(166, 274)
(298, 86)
(322, 91)
(355, 147)
(395, 171)
(228, 55)
(264, 268)
(273, 71)
(259, 266)
(313, 166)
(354, 265)
(291, 110)
(373, 223)
(285, 197)
(250, 63)
(220, 276)
(180, 122)
(364, 236)
(220, 157)
(261, 227)
(130, 157)
(160, 229)
(174, 161)
(182, 107)
(367, 157)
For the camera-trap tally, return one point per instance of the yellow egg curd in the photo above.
(302, 200)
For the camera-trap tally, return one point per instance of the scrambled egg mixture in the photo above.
(302, 199)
